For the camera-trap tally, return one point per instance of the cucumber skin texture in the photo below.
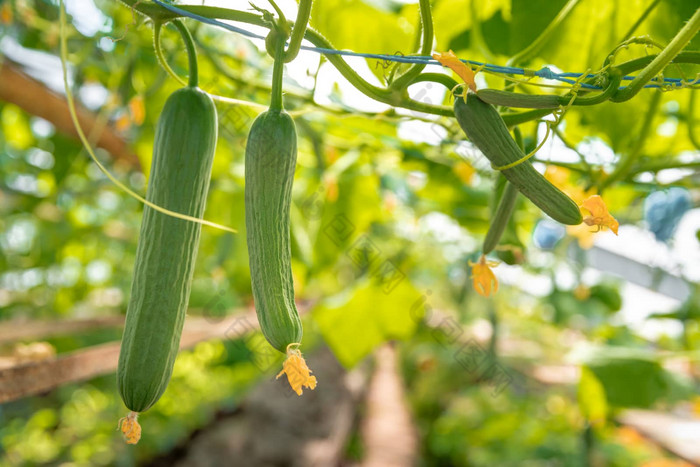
(485, 128)
(517, 100)
(183, 152)
(270, 160)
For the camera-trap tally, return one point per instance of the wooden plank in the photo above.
(28, 379)
(678, 435)
(36, 99)
(24, 330)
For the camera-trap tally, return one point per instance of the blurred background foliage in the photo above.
(366, 195)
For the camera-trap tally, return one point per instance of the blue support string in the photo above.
(545, 72)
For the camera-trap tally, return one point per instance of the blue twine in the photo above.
(545, 72)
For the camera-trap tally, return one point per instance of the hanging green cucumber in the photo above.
(519, 100)
(485, 128)
(183, 152)
(611, 79)
(270, 160)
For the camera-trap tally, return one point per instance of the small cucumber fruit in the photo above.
(519, 100)
(270, 160)
(183, 152)
(485, 128)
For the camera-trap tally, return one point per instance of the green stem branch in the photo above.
(387, 96)
(298, 31)
(691, 121)
(684, 36)
(501, 218)
(157, 26)
(446, 80)
(426, 19)
(276, 103)
(633, 65)
(193, 81)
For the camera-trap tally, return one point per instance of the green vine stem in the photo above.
(666, 164)
(495, 332)
(298, 31)
(164, 63)
(572, 98)
(391, 97)
(525, 54)
(674, 47)
(505, 206)
(276, 103)
(691, 121)
(501, 218)
(193, 80)
(614, 80)
(518, 118)
(279, 11)
(446, 80)
(63, 47)
(426, 20)
(377, 93)
(157, 46)
(633, 65)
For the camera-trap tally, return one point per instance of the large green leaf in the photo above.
(529, 19)
(591, 397)
(630, 377)
(360, 319)
(453, 19)
(360, 26)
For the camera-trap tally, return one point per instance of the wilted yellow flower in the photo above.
(483, 277)
(450, 60)
(695, 405)
(137, 109)
(298, 374)
(130, 428)
(331, 184)
(464, 171)
(581, 292)
(6, 14)
(599, 214)
(123, 123)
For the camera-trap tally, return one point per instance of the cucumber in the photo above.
(519, 100)
(183, 152)
(485, 128)
(270, 160)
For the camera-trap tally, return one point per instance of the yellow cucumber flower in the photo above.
(483, 277)
(599, 215)
(449, 59)
(298, 373)
(130, 428)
